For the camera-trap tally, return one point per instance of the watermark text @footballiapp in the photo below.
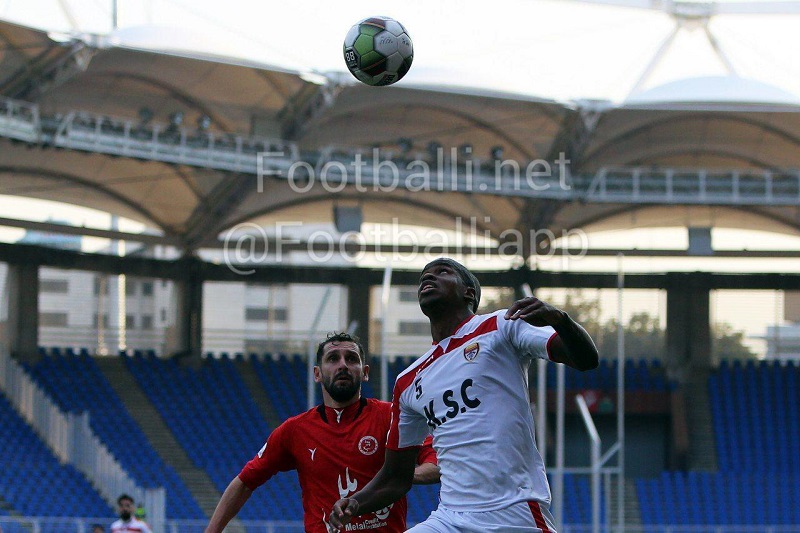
(247, 245)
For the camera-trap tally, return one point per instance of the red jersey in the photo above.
(336, 452)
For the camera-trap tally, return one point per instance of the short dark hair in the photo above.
(340, 336)
(467, 277)
(98, 526)
(124, 497)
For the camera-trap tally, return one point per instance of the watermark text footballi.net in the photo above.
(442, 171)
(248, 244)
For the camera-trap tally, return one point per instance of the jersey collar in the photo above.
(458, 327)
(351, 412)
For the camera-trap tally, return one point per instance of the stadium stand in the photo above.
(640, 375)
(755, 413)
(216, 421)
(33, 481)
(75, 382)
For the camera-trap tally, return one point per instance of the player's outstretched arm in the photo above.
(229, 505)
(573, 346)
(427, 474)
(391, 483)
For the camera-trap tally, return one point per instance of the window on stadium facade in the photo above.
(60, 286)
(416, 327)
(53, 319)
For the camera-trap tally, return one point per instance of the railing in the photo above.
(102, 134)
(83, 525)
(682, 186)
(231, 341)
(19, 120)
(71, 439)
(77, 337)
(443, 170)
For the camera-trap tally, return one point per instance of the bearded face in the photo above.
(125, 509)
(341, 371)
(343, 385)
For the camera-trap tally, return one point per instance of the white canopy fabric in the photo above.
(193, 204)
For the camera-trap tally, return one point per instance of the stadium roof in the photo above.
(191, 203)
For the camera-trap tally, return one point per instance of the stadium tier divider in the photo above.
(210, 412)
(71, 441)
(76, 383)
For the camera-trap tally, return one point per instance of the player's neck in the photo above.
(444, 325)
(333, 404)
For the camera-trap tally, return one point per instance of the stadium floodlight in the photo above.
(203, 122)
(145, 116)
(496, 153)
(405, 144)
(176, 119)
(434, 148)
(465, 150)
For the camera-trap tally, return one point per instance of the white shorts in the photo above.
(523, 517)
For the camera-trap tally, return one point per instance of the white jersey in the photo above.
(132, 525)
(470, 391)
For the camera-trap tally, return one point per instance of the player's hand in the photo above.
(343, 511)
(535, 312)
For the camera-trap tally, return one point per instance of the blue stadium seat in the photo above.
(754, 408)
(217, 422)
(25, 461)
(77, 385)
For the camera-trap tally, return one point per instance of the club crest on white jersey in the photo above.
(471, 352)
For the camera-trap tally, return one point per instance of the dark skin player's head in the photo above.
(448, 294)
(447, 285)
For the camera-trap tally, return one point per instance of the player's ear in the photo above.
(469, 294)
(366, 372)
(317, 375)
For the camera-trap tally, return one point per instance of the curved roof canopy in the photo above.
(246, 103)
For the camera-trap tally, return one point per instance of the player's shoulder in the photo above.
(141, 525)
(117, 524)
(379, 405)
(288, 426)
(480, 324)
(412, 368)
(302, 418)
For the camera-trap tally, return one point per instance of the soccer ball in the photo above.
(378, 51)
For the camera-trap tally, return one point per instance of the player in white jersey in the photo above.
(470, 391)
(127, 522)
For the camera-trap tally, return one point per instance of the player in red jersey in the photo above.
(336, 448)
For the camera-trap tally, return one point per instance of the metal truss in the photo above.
(305, 108)
(367, 171)
(43, 77)
(691, 15)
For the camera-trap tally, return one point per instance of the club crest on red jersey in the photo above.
(368, 445)
(471, 352)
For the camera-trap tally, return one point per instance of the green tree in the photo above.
(728, 343)
(645, 337)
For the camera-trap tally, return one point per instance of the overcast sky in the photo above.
(550, 48)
